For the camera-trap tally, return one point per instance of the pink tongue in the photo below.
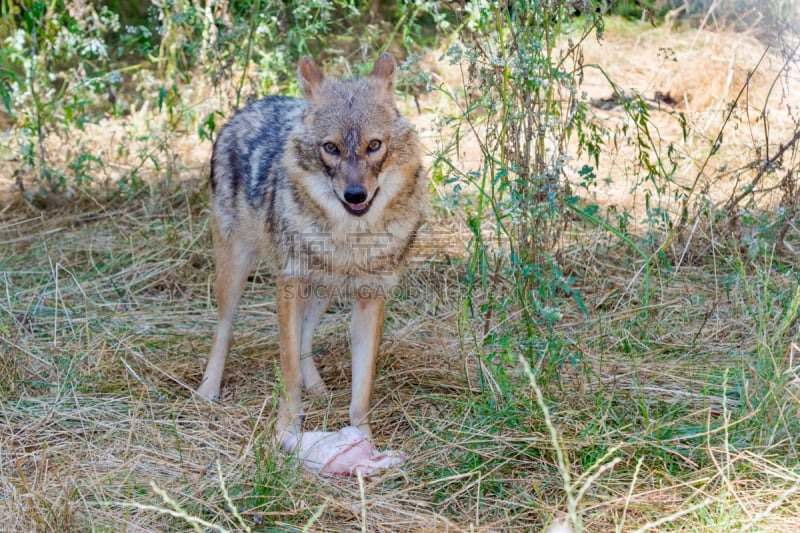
(358, 207)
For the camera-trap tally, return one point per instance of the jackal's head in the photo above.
(354, 136)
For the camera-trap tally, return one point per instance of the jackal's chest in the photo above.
(348, 255)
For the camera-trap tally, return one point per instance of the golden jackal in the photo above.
(330, 191)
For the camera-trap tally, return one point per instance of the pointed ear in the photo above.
(310, 77)
(385, 69)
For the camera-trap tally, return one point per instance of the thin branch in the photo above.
(765, 166)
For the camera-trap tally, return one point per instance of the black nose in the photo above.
(355, 194)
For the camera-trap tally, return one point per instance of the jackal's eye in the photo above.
(374, 145)
(331, 148)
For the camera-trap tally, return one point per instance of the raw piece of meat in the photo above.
(345, 452)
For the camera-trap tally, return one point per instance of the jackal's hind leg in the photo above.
(314, 307)
(234, 261)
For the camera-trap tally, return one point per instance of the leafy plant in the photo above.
(521, 103)
(52, 66)
(67, 64)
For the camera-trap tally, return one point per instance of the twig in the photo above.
(765, 166)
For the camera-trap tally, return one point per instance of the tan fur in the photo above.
(329, 191)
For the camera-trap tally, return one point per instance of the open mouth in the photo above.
(359, 209)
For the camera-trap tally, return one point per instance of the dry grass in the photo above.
(675, 409)
(702, 73)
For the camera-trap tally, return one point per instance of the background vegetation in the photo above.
(599, 326)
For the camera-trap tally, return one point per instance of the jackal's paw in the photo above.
(207, 393)
(286, 426)
(366, 429)
(318, 390)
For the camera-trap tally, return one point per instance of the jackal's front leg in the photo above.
(365, 337)
(289, 296)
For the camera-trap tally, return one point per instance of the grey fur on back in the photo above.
(251, 145)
